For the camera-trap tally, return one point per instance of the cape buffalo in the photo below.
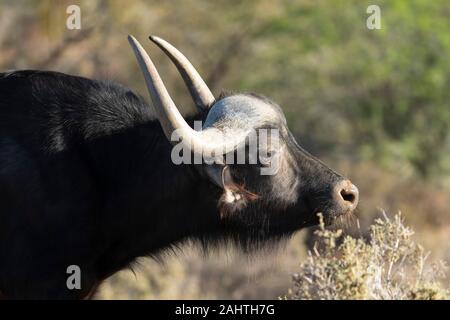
(88, 176)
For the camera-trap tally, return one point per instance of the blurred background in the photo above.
(373, 104)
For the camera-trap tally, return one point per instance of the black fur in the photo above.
(86, 178)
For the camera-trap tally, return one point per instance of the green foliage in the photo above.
(391, 265)
(381, 93)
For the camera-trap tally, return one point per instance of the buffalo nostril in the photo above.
(347, 194)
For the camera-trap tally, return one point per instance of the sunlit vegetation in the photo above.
(388, 265)
(375, 104)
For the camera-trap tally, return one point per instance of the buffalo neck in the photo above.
(147, 202)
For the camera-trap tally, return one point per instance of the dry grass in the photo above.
(389, 265)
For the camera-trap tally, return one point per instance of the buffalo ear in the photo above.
(235, 197)
(232, 191)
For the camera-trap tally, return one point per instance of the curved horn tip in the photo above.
(200, 92)
(157, 40)
(132, 40)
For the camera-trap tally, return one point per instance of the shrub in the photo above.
(389, 265)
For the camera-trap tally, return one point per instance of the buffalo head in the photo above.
(270, 184)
